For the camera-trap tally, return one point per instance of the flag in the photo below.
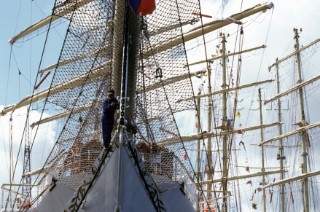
(308, 139)
(254, 205)
(271, 195)
(142, 7)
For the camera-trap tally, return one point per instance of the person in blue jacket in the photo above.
(110, 105)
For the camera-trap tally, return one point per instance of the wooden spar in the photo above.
(291, 179)
(202, 15)
(254, 167)
(299, 130)
(71, 60)
(226, 90)
(213, 191)
(14, 184)
(148, 88)
(51, 118)
(61, 115)
(71, 7)
(169, 81)
(93, 75)
(78, 81)
(102, 71)
(96, 133)
(171, 27)
(11, 190)
(262, 154)
(90, 54)
(277, 146)
(211, 134)
(38, 171)
(74, 59)
(297, 87)
(228, 55)
(44, 169)
(209, 27)
(258, 174)
(294, 53)
(68, 9)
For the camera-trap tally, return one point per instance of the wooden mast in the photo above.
(198, 155)
(209, 152)
(224, 86)
(304, 166)
(262, 154)
(281, 156)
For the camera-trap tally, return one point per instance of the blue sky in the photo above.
(14, 17)
(17, 15)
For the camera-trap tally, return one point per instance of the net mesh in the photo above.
(87, 69)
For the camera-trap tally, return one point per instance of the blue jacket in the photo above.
(110, 106)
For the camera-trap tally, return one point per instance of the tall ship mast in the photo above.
(302, 126)
(183, 138)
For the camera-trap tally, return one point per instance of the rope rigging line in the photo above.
(144, 107)
(259, 70)
(28, 111)
(196, 109)
(234, 114)
(236, 103)
(65, 129)
(167, 100)
(87, 78)
(12, 169)
(216, 131)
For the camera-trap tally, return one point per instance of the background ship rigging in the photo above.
(257, 33)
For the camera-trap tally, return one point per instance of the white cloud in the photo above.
(43, 142)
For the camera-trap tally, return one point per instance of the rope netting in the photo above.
(79, 84)
(88, 67)
(160, 85)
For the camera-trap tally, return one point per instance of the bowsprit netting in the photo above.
(80, 81)
(84, 74)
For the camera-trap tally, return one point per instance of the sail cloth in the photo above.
(143, 7)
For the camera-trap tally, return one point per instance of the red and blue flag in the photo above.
(143, 7)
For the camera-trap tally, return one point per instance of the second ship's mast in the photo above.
(304, 165)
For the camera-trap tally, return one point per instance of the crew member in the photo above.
(110, 106)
